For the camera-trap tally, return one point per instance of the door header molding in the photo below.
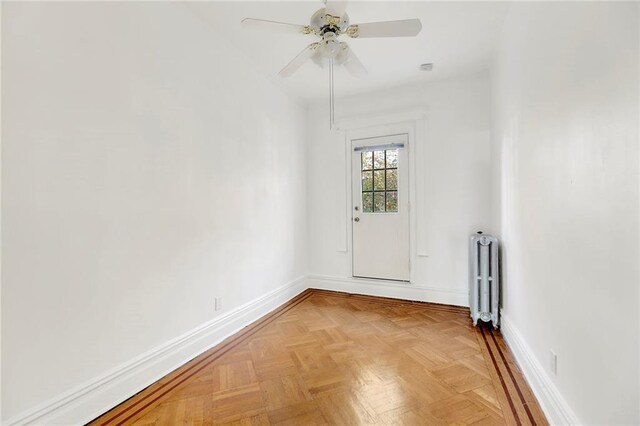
(380, 118)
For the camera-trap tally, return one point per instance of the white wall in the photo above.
(453, 162)
(146, 170)
(0, 212)
(566, 92)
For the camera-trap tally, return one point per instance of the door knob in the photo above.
(356, 219)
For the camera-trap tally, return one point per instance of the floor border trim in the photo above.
(551, 401)
(494, 363)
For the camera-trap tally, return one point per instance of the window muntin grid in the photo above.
(379, 174)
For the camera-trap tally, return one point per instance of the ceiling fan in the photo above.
(329, 24)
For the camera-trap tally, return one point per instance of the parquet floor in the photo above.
(333, 358)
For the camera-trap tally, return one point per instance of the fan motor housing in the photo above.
(321, 23)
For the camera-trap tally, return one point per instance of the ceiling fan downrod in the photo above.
(331, 96)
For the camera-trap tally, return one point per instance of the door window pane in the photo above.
(367, 181)
(391, 201)
(367, 202)
(392, 179)
(378, 160)
(367, 160)
(392, 158)
(378, 202)
(379, 174)
(378, 180)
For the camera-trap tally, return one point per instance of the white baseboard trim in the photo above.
(395, 290)
(86, 402)
(553, 405)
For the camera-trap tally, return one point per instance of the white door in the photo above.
(380, 207)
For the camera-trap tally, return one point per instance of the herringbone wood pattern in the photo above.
(332, 358)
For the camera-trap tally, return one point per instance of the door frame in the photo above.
(404, 195)
(408, 128)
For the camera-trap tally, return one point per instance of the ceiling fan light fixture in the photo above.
(330, 45)
(328, 24)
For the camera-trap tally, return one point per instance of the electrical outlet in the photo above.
(554, 363)
(218, 304)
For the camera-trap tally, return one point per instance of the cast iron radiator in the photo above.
(484, 279)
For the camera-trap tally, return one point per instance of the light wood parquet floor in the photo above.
(333, 358)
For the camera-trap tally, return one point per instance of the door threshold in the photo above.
(385, 280)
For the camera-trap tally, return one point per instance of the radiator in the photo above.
(484, 279)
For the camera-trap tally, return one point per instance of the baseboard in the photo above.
(86, 402)
(395, 290)
(556, 409)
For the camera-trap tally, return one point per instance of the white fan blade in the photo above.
(267, 24)
(351, 62)
(404, 28)
(335, 7)
(298, 61)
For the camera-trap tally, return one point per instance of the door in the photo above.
(380, 207)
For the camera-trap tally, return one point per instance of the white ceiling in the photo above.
(457, 37)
